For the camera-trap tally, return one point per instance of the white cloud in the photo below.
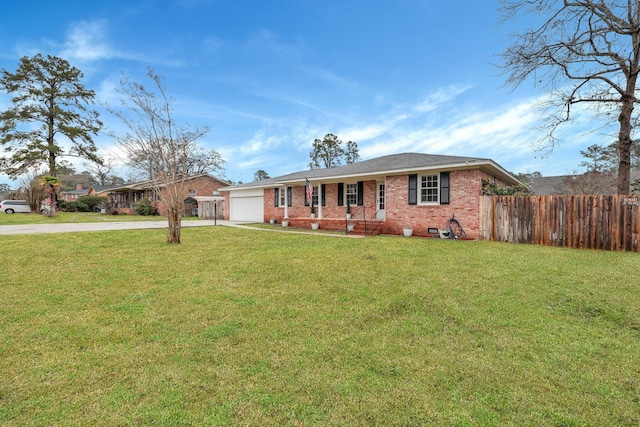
(441, 123)
(85, 42)
(364, 133)
(108, 91)
(440, 97)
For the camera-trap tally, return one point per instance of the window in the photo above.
(192, 193)
(280, 197)
(352, 194)
(429, 189)
(314, 197)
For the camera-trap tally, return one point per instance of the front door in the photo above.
(380, 202)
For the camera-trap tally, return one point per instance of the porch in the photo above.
(356, 226)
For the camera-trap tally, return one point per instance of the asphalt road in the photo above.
(100, 226)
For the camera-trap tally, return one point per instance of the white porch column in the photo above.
(286, 201)
(319, 201)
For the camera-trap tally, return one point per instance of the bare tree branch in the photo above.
(168, 151)
(582, 52)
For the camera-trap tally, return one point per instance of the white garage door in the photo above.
(250, 209)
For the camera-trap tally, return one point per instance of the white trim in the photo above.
(346, 193)
(381, 214)
(420, 188)
(319, 201)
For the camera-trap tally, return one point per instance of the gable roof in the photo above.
(149, 184)
(379, 167)
(101, 188)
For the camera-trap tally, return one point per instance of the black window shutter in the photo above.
(276, 197)
(324, 195)
(360, 193)
(340, 193)
(444, 188)
(288, 196)
(413, 189)
(304, 195)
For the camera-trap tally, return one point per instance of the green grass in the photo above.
(243, 327)
(64, 217)
(279, 227)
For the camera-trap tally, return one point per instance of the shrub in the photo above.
(92, 201)
(144, 207)
(77, 207)
(491, 189)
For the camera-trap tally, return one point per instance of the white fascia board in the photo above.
(246, 192)
(503, 173)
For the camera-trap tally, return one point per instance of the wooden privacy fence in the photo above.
(590, 222)
(211, 208)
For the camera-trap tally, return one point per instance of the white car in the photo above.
(13, 206)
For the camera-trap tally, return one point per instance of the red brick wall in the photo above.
(329, 210)
(227, 204)
(465, 188)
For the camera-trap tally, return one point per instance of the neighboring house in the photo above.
(99, 190)
(420, 191)
(123, 198)
(589, 183)
(72, 195)
(93, 190)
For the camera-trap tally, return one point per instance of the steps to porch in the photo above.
(367, 228)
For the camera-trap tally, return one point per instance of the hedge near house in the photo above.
(145, 208)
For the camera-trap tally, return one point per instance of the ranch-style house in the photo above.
(386, 194)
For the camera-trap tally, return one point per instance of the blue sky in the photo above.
(269, 77)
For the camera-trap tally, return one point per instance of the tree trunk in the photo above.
(624, 145)
(175, 220)
(51, 146)
(54, 201)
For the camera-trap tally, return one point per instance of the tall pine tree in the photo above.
(49, 104)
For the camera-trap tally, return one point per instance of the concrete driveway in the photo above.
(100, 226)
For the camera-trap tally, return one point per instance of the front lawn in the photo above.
(247, 327)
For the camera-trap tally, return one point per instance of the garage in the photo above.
(247, 206)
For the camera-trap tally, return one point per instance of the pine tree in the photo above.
(49, 102)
